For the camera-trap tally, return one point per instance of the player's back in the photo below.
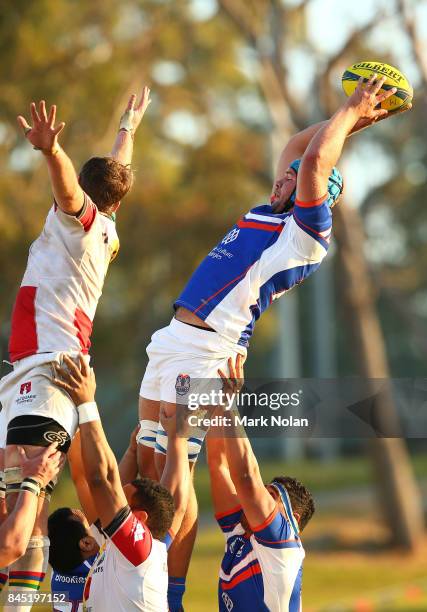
(261, 571)
(62, 284)
(262, 256)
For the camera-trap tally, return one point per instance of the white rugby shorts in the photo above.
(184, 359)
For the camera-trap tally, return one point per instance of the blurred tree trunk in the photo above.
(398, 491)
(399, 495)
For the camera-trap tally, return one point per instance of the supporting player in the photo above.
(16, 529)
(138, 520)
(56, 304)
(73, 546)
(269, 250)
(262, 565)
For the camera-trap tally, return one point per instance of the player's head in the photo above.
(106, 181)
(70, 540)
(284, 190)
(153, 503)
(294, 499)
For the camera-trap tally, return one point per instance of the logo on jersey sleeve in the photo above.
(182, 384)
(231, 236)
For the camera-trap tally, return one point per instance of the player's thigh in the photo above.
(148, 410)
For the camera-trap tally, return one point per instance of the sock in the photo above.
(176, 590)
(28, 572)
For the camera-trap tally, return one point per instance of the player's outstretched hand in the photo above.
(78, 380)
(43, 134)
(134, 113)
(233, 382)
(366, 98)
(44, 466)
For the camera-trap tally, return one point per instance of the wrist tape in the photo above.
(31, 485)
(88, 412)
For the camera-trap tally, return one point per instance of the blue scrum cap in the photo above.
(335, 184)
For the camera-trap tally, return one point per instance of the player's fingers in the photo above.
(74, 369)
(63, 385)
(145, 98)
(377, 85)
(52, 116)
(84, 367)
(372, 79)
(222, 375)
(231, 369)
(381, 113)
(131, 102)
(42, 110)
(51, 451)
(62, 373)
(386, 94)
(22, 453)
(34, 114)
(59, 128)
(22, 122)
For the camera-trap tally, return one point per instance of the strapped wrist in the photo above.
(126, 122)
(88, 412)
(31, 485)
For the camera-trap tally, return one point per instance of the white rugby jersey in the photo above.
(262, 256)
(62, 284)
(130, 573)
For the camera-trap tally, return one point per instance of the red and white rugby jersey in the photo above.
(130, 573)
(62, 284)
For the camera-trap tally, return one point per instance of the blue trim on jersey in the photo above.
(231, 260)
(228, 521)
(295, 600)
(73, 582)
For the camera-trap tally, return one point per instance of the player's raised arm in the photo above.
(176, 473)
(223, 491)
(326, 146)
(123, 146)
(16, 530)
(43, 135)
(256, 501)
(100, 465)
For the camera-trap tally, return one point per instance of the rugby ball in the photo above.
(395, 78)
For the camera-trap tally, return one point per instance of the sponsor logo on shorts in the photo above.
(25, 388)
(25, 395)
(56, 436)
(182, 384)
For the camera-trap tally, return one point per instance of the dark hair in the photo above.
(106, 181)
(157, 502)
(65, 530)
(301, 498)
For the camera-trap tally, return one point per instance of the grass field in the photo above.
(348, 565)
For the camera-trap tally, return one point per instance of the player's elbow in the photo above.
(314, 159)
(99, 475)
(246, 481)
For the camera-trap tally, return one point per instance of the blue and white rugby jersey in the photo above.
(262, 256)
(73, 585)
(262, 572)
